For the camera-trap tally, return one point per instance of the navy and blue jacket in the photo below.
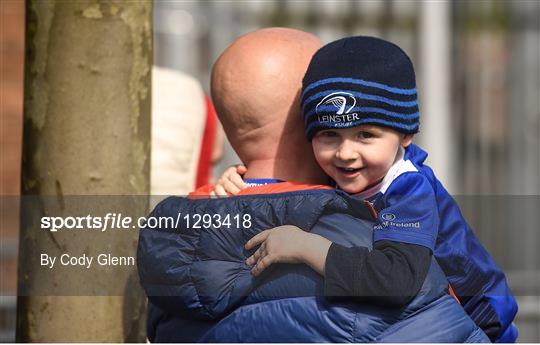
(200, 288)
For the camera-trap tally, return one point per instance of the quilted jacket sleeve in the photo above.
(188, 270)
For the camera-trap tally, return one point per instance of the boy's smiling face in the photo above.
(358, 157)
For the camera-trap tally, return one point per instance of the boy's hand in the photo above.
(230, 181)
(287, 244)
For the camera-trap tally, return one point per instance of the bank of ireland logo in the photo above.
(388, 216)
(342, 101)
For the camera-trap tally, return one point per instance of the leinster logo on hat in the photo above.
(342, 102)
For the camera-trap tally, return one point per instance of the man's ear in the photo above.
(407, 140)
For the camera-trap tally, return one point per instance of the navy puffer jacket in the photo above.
(200, 288)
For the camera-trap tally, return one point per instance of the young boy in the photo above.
(360, 110)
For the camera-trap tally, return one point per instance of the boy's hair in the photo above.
(360, 80)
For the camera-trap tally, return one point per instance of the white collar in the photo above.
(395, 170)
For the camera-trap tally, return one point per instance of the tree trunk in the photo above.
(86, 132)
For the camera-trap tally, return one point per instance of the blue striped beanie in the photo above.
(360, 80)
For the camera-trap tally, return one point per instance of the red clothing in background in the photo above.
(204, 169)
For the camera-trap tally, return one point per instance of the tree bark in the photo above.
(86, 132)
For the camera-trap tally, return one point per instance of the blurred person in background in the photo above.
(185, 134)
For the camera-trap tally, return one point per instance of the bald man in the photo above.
(256, 86)
(256, 93)
(195, 275)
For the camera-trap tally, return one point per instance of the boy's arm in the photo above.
(390, 274)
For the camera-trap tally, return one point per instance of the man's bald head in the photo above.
(255, 86)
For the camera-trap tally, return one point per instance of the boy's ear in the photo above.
(407, 140)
